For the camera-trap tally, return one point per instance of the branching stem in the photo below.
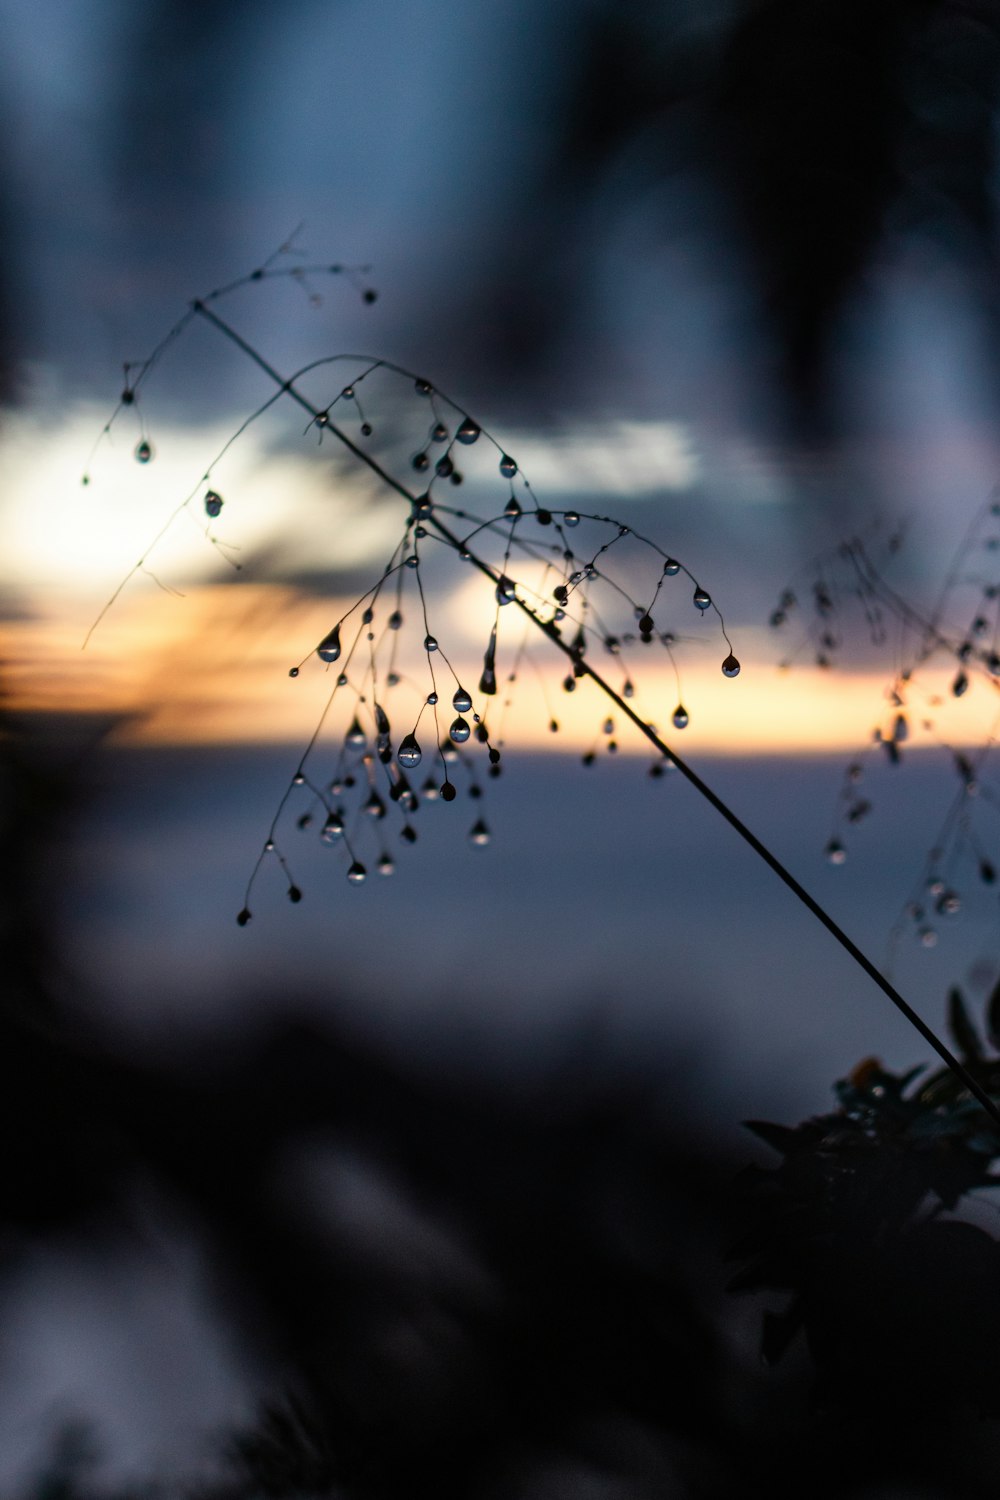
(582, 668)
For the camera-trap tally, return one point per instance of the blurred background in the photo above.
(726, 272)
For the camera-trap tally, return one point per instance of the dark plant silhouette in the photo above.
(563, 613)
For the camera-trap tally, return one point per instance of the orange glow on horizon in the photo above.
(212, 668)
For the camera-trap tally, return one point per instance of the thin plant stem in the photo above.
(582, 668)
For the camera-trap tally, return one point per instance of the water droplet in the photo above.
(460, 730)
(213, 503)
(479, 834)
(305, 821)
(329, 647)
(900, 729)
(430, 643)
(508, 468)
(127, 396)
(569, 684)
(680, 717)
(244, 916)
(701, 599)
(628, 688)
(730, 667)
(948, 903)
(341, 679)
(439, 433)
(448, 793)
(294, 894)
(571, 518)
(505, 590)
(960, 684)
(444, 466)
(357, 873)
(561, 594)
(408, 833)
(588, 758)
(143, 452)
(512, 509)
(543, 517)
(671, 567)
(409, 753)
(293, 671)
(422, 387)
(386, 865)
(374, 806)
(646, 625)
(421, 462)
(355, 738)
(366, 429)
(462, 701)
(456, 476)
(928, 937)
(554, 726)
(395, 622)
(494, 755)
(333, 829)
(835, 852)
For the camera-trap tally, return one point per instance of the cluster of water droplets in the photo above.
(398, 724)
(961, 627)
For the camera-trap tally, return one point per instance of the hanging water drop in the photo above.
(293, 671)
(553, 726)
(571, 518)
(333, 829)
(395, 621)
(448, 793)
(960, 684)
(543, 517)
(948, 903)
(671, 567)
(430, 643)
(505, 590)
(408, 833)
(244, 916)
(294, 894)
(366, 429)
(439, 433)
(468, 431)
(444, 466)
(569, 684)
(386, 865)
(143, 452)
(701, 599)
(329, 647)
(357, 873)
(609, 726)
(213, 503)
(628, 688)
(987, 872)
(835, 852)
(928, 937)
(512, 509)
(409, 753)
(680, 717)
(508, 468)
(730, 667)
(462, 701)
(561, 594)
(421, 462)
(479, 834)
(460, 730)
(355, 738)
(646, 626)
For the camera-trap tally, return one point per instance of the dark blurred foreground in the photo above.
(449, 1284)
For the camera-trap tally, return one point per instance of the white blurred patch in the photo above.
(629, 459)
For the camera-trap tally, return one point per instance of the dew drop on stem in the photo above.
(571, 518)
(386, 865)
(213, 503)
(357, 873)
(143, 452)
(835, 852)
(671, 567)
(680, 717)
(439, 433)
(508, 468)
(505, 590)
(701, 599)
(244, 916)
(462, 701)
(448, 793)
(329, 647)
(730, 667)
(479, 834)
(409, 753)
(468, 432)
(355, 738)
(460, 730)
